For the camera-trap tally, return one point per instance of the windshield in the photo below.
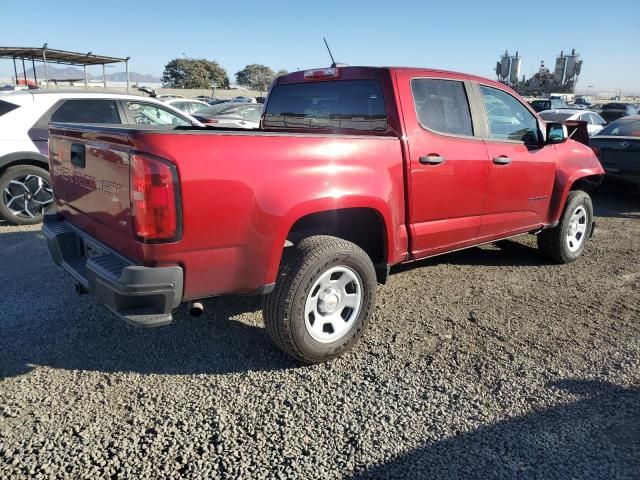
(623, 129)
(335, 105)
(555, 116)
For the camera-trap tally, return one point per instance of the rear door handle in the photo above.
(431, 159)
(502, 160)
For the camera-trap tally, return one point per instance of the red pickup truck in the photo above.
(353, 169)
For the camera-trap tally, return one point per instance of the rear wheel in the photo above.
(26, 194)
(323, 299)
(566, 242)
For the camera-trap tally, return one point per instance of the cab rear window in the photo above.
(334, 105)
(6, 107)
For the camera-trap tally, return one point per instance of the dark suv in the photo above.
(614, 111)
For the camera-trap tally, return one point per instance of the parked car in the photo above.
(583, 100)
(165, 96)
(595, 122)
(231, 115)
(25, 184)
(618, 149)
(355, 169)
(547, 104)
(186, 105)
(614, 111)
(217, 101)
(242, 98)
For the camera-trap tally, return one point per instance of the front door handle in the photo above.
(502, 160)
(431, 159)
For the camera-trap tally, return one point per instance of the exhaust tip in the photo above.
(196, 309)
(80, 290)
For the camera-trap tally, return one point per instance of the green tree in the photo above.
(194, 73)
(256, 77)
(280, 73)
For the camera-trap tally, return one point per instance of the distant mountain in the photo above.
(74, 73)
(133, 77)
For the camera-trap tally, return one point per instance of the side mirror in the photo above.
(556, 133)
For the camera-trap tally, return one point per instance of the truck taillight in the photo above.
(155, 200)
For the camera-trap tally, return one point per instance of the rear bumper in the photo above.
(143, 296)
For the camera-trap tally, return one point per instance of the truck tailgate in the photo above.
(90, 176)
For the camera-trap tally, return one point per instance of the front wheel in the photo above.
(323, 299)
(566, 242)
(25, 194)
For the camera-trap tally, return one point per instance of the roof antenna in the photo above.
(333, 62)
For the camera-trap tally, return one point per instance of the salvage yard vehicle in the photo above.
(595, 123)
(353, 170)
(231, 115)
(25, 184)
(614, 111)
(541, 105)
(618, 149)
(186, 105)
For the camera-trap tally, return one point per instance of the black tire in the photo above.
(553, 242)
(24, 172)
(284, 309)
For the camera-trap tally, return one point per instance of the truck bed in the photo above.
(232, 216)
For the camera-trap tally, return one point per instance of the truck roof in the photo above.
(363, 71)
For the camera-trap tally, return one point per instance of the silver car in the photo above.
(595, 122)
(231, 115)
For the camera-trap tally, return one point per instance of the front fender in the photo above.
(575, 162)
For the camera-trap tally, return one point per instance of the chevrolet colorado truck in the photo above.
(353, 170)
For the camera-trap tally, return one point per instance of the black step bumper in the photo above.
(143, 296)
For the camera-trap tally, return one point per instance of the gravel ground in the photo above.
(488, 363)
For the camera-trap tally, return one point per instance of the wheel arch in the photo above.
(363, 225)
(24, 158)
(585, 179)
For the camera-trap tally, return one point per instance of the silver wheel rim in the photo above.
(333, 304)
(577, 229)
(28, 196)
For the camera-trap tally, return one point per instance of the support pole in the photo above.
(35, 75)
(126, 67)
(44, 59)
(15, 69)
(86, 80)
(104, 76)
(24, 73)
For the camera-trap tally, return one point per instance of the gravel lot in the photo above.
(488, 363)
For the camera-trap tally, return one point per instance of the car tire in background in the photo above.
(566, 242)
(323, 298)
(25, 194)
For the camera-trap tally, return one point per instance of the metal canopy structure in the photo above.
(63, 57)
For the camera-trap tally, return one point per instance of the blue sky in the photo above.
(465, 36)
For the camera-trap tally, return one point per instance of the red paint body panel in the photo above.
(241, 192)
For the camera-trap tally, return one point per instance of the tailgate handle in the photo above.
(77, 155)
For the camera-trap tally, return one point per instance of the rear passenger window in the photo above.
(87, 111)
(442, 106)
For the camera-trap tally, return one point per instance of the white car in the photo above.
(595, 122)
(186, 105)
(25, 185)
